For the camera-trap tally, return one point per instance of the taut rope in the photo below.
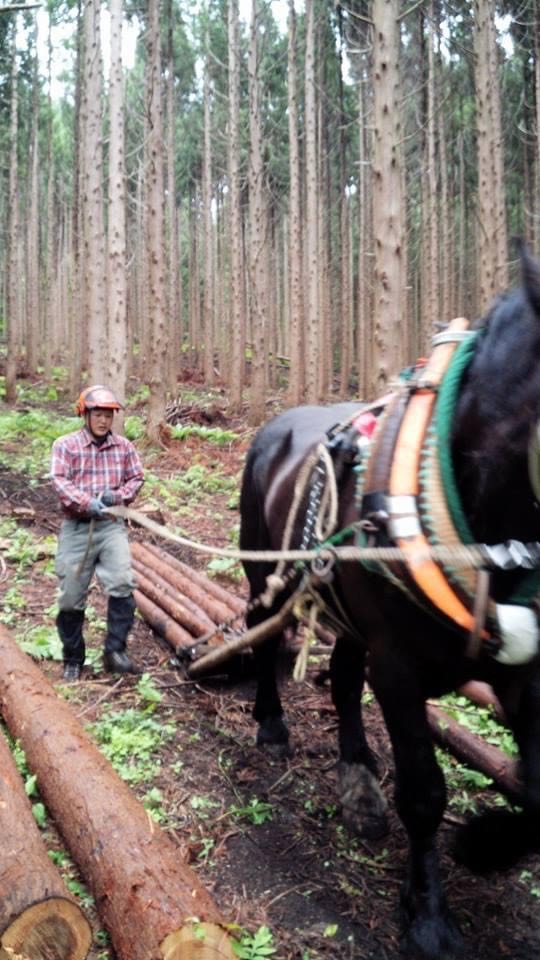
(502, 556)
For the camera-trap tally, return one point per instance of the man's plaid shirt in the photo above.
(81, 469)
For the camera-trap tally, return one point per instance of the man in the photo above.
(93, 469)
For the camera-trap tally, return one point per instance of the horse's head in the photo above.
(497, 416)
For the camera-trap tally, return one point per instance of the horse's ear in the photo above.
(530, 273)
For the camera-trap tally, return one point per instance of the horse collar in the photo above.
(403, 485)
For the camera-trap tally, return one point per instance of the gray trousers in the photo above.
(104, 547)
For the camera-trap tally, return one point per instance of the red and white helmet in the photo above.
(96, 397)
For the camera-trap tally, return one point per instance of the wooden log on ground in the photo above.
(147, 565)
(152, 904)
(483, 695)
(162, 623)
(38, 917)
(475, 752)
(236, 604)
(215, 609)
(167, 598)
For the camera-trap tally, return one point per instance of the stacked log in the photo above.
(152, 904)
(179, 603)
(38, 916)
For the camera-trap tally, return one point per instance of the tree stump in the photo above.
(38, 917)
(152, 904)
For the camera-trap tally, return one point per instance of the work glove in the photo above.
(96, 508)
(108, 498)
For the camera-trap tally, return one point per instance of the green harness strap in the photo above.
(446, 404)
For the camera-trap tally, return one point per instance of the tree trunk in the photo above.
(147, 898)
(155, 249)
(388, 203)
(238, 309)
(116, 277)
(94, 268)
(296, 273)
(32, 337)
(312, 328)
(208, 239)
(38, 917)
(12, 273)
(493, 255)
(258, 231)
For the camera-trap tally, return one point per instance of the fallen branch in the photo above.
(150, 901)
(475, 752)
(36, 911)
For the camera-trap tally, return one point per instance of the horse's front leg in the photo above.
(420, 793)
(363, 804)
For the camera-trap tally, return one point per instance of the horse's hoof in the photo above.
(436, 939)
(363, 804)
(429, 934)
(273, 736)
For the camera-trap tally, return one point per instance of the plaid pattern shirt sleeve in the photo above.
(81, 470)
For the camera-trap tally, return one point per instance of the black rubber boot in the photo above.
(69, 624)
(120, 616)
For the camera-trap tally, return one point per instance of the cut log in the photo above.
(151, 572)
(236, 604)
(38, 917)
(152, 904)
(162, 595)
(162, 623)
(216, 610)
(475, 752)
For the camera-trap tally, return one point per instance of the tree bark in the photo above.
(296, 273)
(147, 898)
(11, 270)
(166, 597)
(155, 246)
(238, 310)
(474, 751)
(215, 609)
(117, 274)
(258, 230)
(38, 917)
(207, 586)
(162, 623)
(312, 262)
(387, 198)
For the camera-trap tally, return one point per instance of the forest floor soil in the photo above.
(322, 894)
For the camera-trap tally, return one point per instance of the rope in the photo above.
(476, 555)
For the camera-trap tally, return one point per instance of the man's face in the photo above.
(100, 421)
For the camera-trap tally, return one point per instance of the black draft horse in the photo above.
(411, 656)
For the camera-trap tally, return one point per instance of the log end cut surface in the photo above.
(54, 929)
(198, 941)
